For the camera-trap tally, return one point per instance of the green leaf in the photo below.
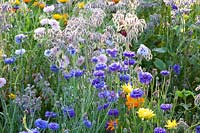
(160, 64)
(179, 94)
(160, 50)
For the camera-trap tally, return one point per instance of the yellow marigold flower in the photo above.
(17, 2)
(81, 5)
(65, 16)
(111, 125)
(116, 1)
(133, 102)
(145, 113)
(171, 124)
(63, 1)
(41, 5)
(27, 1)
(35, 3)
(127, 88)
(12, 96)
(57, 16)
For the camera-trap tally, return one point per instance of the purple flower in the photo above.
(159, 130)
(54, 68)
(35, 130)
(42, 124)
(104, 94)
(177, 69)
(19, 38)
(100, 66)
(94, 59)
(113, 112)
(112, 52)
(102, 58)
(49, 114)
(137, 93)
(174, 7)
(145, 77)
(78, 73)
(129, 62)
(69, 112)
(67, 75)
(10, 60)
(112, 97)
(71, 50)
(198, 129)
(124, 78)
(129, 54)
(99, 73)
(100, 85)
(165, 73)
(53, 126)
(2, 82)
(105, 106)
(87, 123)
(165, 107)
(114, 67)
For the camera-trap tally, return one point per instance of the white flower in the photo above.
(39, 31)
(47, 52)
(54, 24)
(20, 51)
(44, 21)
(102, 58)
(49, 8)
(80, 61)
(144, 52)
(2, 82)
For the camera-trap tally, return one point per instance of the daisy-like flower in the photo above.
(63, 1)
(111, 125)
(57, 16)
(145, 113)
(20, 51)
(12, 96)
(171, 124)
(81, 5)
(133, 102)
(48, 9)
(127, 88)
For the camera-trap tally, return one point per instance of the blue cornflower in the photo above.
(87, 123)
(137, 93)
(69, 112)
(78, 73)
(129, 62)
(124, 78)
(129, 54)
(94, 59)
(49, 114)
(67, 75)
(114, 67)
(165, 73)
(112, 97)
(177, 69)
(112, 52)
(198, 129)
(10, 60)
(113, 112)
(104, 94)
(105, 106)
(174, 7)
(53, 126)
(71, 50)
(54, 68)
(99, 73)
(100, 85)
(159, 130)
(42, 124)
(145, 77)
(19, 38)
(100, 66)
(109, 42)
(35, 130)
(165, 107)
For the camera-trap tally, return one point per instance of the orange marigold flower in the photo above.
(41, 5)
(133, 102)
(116, 1)
(111, 125)
(27, 1)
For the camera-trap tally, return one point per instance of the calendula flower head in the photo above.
(27, 1)
(127, 88)
(63, 1)
(133, 102)
(111, 125)
(57, 16)
(12, 96)
(115, 1)
(171, 124)
(145, 113)
(81, 5)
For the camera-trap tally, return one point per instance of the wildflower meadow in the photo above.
(100, 66)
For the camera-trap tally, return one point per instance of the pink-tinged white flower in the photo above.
(44, 21)
(102, 58)
(48, 52)
(64, 62)
(39, 31)
(20, 51)
(2, 82)
(80, 61)
(49, 8)
(54, 24)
